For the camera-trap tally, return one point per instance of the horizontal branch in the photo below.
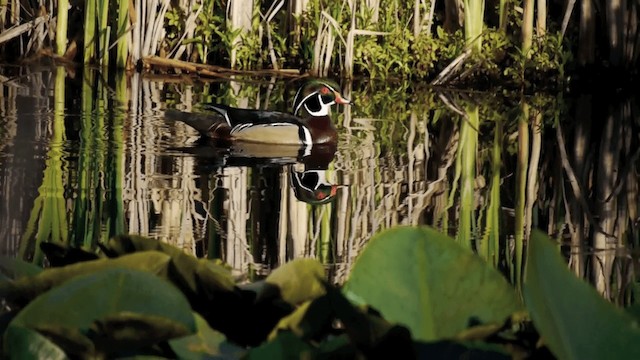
(212, 70)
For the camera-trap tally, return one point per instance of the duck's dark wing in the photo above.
(203, 122)
(237, 116)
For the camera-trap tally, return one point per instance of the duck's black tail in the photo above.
(202, 122)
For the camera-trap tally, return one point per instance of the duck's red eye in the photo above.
(324, 91)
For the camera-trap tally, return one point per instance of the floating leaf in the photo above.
(132, 330)
(74, 343)
(29, 344)
(308, 321)
(574, 320)
(298, 280)
(205, 344)
(445, 350)
(16, 268)
(188, 272)
(371, 334)
(285, 346)
(103, 301)
(23, 290)
(423, 279)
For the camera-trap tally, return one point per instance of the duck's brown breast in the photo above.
(322, 130)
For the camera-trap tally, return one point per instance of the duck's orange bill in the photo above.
(341, 100)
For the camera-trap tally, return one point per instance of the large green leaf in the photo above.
(285, 346)
(195, 277)
(423, 279)
(113, 307)
(298, 280)
(16, 268)
(29, 344)
(573, 319)
(205, 344)
(24, 289)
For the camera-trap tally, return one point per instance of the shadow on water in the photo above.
(86, 158)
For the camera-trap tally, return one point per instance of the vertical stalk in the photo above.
(521, 185)
(541, 20)
(532, 178)
(105, 32)
(61, 26)
(473, 23)
(241, 13)
(490, 247)
(116, 167)
(3, 13)
(615, 13)
(416, 18)
(324, 243)
(82, 203)
(98, 166)
(587, 41)
(503, 16)
(468, 153)
(527, 27)
(48, 219)
(122, 51)
(89, 31)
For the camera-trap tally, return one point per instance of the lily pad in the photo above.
(29, 344)
(24, 289)
(574, 320)
(207, 343)
(285, 346)
(98, 305)
(16, 268)
(423, 279)
(299, 280)
(192, 275)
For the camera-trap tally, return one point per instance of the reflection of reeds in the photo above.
(395, 161)
(517, 261)
(115, 168)
(48, 220)
(467, 153)
(489, 247)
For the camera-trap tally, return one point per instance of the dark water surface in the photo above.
(84, 157)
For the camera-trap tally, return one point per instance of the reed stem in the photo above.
(61, 26)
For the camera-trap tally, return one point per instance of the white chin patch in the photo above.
(324, 109)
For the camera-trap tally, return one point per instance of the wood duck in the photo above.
(309, 123)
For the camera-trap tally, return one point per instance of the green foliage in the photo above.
(559, 304)
(210, 35)
(413, 260)
(431, 54)
(128, 310)
(416, 293)
(29, 344)
(205, 343)
(392, 52)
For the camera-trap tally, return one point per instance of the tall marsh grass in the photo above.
(386, 38)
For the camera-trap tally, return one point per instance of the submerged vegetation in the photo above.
(137, 296)
(446, 42)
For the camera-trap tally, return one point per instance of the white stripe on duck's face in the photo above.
(315, 105)
(318, 102)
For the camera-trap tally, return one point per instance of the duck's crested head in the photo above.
(316, 96)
